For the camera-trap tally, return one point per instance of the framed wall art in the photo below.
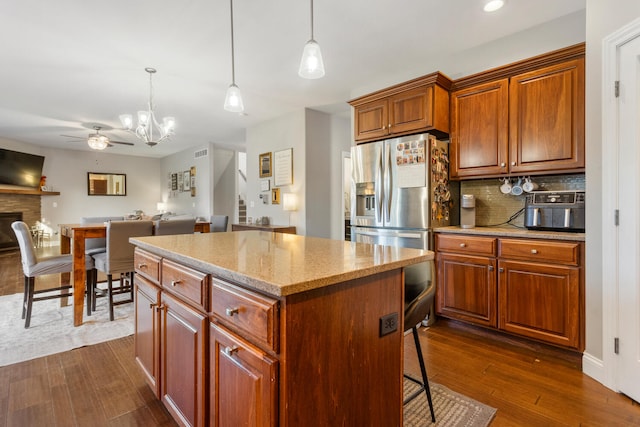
(283, 167)
(186, 181)
(265, 165)
(275, 196)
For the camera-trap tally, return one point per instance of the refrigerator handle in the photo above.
(378, 189)
(388, 190)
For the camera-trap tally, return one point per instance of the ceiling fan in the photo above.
(98, 141)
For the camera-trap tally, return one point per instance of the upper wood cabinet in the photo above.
(418, 105)
(480, 129)
(524, 118)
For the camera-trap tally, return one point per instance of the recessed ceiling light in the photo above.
(493, 5)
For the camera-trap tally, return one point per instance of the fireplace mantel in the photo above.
(28, 191)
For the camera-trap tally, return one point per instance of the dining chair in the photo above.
(33, 267)
(219, 223)
(98, 244)
(175, 226)
(419, 293)
(118, 259)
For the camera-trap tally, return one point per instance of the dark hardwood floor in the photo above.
(530, 384)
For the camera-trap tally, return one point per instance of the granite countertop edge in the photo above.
(513, 232)
(274, 289)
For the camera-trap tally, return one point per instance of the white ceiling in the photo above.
(70, 64)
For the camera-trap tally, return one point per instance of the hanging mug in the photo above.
(529, 186)
(516, 189)
(506, 187)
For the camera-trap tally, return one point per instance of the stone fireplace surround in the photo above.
(27, 204)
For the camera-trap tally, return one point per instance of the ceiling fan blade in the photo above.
(121, 143)
(71, 136)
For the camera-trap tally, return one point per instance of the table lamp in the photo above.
(289, 203)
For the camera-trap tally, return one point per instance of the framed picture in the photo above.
(283, 167)
(265, 165)
(275, 196)
(186, 181)
(174, 181)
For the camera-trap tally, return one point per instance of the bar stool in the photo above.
(419, 292)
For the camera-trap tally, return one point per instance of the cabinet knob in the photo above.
(491, 268)
(152, 305)
(513, 163)
(503, 164)
(231, 311)
(175, 282)
(229, 351)
(142, 265)
(463, 245)
(501, 270)
(159, 307)
(534, 251)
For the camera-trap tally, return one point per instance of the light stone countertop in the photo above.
(279, 264)
(510, 231)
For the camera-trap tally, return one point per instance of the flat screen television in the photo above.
(20, 169)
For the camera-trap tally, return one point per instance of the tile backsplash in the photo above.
(494, 208)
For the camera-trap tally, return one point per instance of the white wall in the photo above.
(341, 141)
(181, 202)
(602, 19)
(224, 183)
(318, 174)
(66, 172)
(284, 132)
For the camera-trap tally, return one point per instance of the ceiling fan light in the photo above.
(311, 64)
(233, 100)
(98, 142)
(127, 121)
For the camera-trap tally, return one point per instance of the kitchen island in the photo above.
(259, 328)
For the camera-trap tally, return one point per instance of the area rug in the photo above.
(52, 329)
(451, 409)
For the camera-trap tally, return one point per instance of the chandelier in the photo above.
(148, 129)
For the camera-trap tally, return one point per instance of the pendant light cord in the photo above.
(311, 19)
(233, 67)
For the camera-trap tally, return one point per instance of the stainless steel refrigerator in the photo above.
(400, 190)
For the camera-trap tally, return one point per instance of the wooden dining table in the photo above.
(73, 241)
(76, 235)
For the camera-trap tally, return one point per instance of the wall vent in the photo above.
(201, 153)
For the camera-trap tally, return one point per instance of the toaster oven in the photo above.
(555, 211)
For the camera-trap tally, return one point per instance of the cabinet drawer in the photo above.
(251, 315)
(185, 282)
(147, 264)
(470, 245)
(539, 250)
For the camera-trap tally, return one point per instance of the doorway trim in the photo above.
(610, 197)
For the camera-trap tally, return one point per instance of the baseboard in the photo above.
(594, 368)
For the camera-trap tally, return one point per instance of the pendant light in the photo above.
(233, 100)
(311, 65)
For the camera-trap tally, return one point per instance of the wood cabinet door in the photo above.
(411, 110)
(540, 301)
(183, 356)
(480, 130)
(547, 118)
(371, 120)
(467, 288)
(147, 333)
(243, 382)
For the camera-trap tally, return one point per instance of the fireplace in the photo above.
(8, 239)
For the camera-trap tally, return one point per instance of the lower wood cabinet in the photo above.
(467, 288)
(243, 382)
(183, 359)
(147, 331)
(536, 291)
